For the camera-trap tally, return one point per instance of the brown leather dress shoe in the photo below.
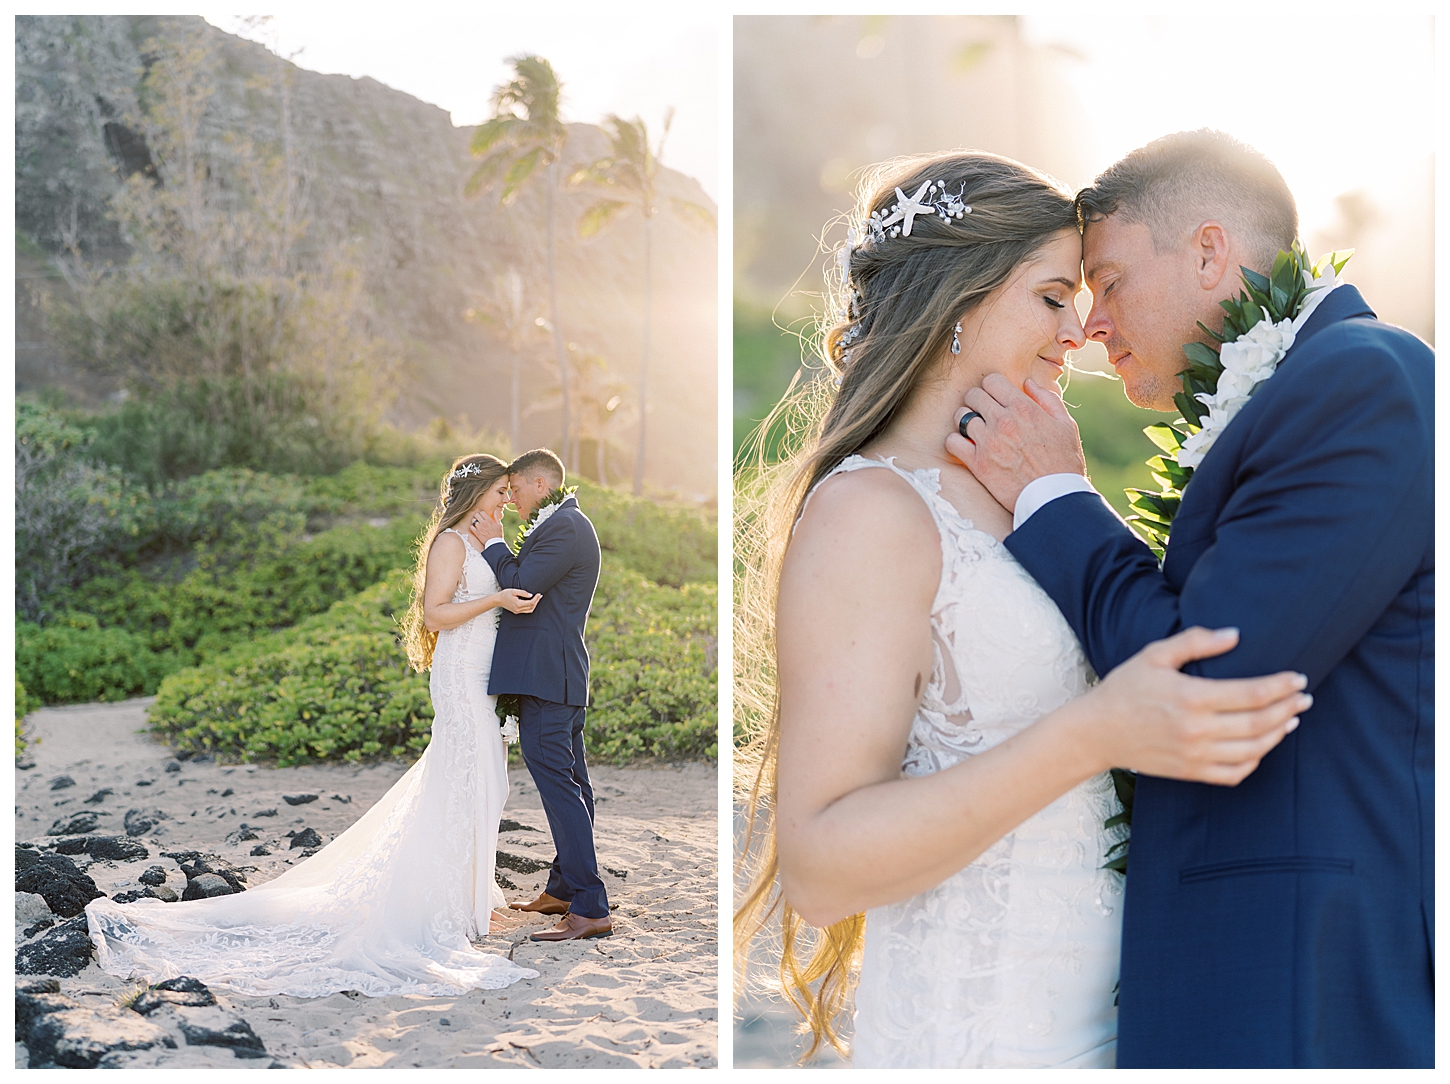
(574, 927)
(544, 905)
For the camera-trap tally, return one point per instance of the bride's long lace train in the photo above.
(387, 907)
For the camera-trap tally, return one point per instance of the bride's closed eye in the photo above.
(1054, 303)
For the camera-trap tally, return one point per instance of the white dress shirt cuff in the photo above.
(493, 541)
(1040, 491)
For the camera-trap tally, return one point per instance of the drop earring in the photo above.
(956, 341)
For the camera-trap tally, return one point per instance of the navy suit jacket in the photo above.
(1287, 921)
(542, 654)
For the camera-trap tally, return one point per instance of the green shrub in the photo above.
(211, 608)
(278, 422)
(338, 685)
(669, 544)
(74, 659)
(24, 705)
(71, 515)
(654, 672)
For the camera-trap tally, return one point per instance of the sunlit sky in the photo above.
(625, 59)
(1337, 98)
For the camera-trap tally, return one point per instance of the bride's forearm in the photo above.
(449, 615)
(892, 840)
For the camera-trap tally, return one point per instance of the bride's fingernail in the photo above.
(1229, 633)
(1292, 725)
(1306, 701)
(1301, 680)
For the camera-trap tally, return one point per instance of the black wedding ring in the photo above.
(962, 424)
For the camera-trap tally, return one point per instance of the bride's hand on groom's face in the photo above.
(1016, 438)
(1158, 721)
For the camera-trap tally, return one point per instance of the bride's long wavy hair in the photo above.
(893, 306)
(455, 497)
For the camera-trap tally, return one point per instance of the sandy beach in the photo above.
(643, 998)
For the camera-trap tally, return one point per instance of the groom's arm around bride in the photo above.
(1288, 921)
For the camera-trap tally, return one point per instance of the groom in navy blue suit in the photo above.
(541, 656)
(1288, 921)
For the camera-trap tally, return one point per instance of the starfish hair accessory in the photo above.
(465, 471)
(932, 198)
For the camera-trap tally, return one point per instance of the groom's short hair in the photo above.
(1206, 174)
(539, 463)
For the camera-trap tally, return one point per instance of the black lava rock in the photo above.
(75, 845)
(64, 950)
(76, 824)
(217, 1027)
(242, 835)
(259, 850)
(299, 799)
(155, 875)
(33, 1000)
(100, 796)
(183, 990)
(206, 885)
(507, 825)
(115, 849)
(344, 800)
(43, 924)
(60, 782)
(518, 863)
(54, 876)
(207, 875)
(228, 792)
(141, 821)
(26, 855)
(265, 813)
(173, 766)
(305, 838)
(84, 1038)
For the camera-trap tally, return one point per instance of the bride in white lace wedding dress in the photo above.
(931, 778)
(391, 904)
(1013, 960)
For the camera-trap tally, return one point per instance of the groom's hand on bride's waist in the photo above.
(1012, 438)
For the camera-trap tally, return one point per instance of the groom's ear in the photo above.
(1211, 254)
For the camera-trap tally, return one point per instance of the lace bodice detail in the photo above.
(1011, 961)
(475, 637)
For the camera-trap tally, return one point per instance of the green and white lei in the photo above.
(547, 507)
(1258, 329)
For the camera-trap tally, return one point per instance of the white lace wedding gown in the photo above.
(1012, 961)
(387, 907)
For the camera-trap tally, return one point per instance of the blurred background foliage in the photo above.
(261, 607)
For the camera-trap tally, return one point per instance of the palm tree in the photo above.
(629, 175)
(524, 133)
(505, 310)
(600, 398)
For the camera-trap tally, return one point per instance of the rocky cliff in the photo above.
(387, 173)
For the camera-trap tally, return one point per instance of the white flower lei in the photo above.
(1248, 361)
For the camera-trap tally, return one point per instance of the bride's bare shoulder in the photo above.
(851, 516)
(447, 544)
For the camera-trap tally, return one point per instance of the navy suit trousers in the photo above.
(551, 737)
